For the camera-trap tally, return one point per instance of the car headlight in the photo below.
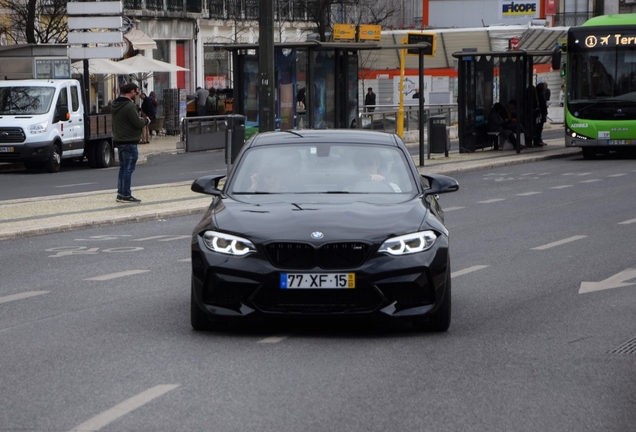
(38, 128)
(227, 243)
(409, 243)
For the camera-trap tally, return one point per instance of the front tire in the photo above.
(589, 153)
(55, 160)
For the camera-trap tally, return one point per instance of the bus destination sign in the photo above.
(609, 40)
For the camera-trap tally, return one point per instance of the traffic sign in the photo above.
(107, 52)
(94, 8)
(415, 38)
(87, 23)
(107, 37)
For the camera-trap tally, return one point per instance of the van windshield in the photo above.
(25, 100)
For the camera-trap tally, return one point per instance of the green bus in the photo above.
(600, 85)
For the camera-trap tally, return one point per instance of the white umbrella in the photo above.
(152, 65)
(106, 67)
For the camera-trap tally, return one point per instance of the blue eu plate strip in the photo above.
(283, 280)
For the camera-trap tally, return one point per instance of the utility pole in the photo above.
(266, 111)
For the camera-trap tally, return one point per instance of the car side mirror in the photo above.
(556, 59)
(439, 184)
(207, 185)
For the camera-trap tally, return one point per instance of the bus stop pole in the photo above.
(420, 102)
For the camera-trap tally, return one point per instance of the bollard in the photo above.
(234, 137)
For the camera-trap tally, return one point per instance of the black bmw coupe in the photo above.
(322, 223)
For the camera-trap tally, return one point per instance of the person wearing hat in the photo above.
(127, 130)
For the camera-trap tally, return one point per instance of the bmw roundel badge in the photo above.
(317, 235)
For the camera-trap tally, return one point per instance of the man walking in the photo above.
(202, 98)
(369, 100)
(127, 129)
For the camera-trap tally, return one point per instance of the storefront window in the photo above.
(161, 79)
(215, 67)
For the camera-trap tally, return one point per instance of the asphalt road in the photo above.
(95, 335)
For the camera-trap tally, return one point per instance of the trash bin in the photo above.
(234, 136)
(437, 134)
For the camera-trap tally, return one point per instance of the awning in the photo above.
(140, 40)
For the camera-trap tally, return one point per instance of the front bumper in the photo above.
(35, 152)
(407, 287)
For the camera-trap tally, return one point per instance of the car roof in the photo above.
(325, 136)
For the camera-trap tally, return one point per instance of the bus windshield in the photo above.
(25, 100)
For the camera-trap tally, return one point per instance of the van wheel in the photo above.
(55, 160)
(102, 154)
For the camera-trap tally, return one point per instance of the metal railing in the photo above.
(384, 117)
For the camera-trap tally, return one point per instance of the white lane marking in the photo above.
(151, 238)
(20, 296)
(527, 174)
(627, 222)
(561, 187)
(616, 281)
(528, 193)
(568, 174)
(618, 175)
(559, 243)
(584, 174)
(490, 201)
(452, 208)
(590, 181)
(117, 275)
(176, 238)
(186, 260)
(76, 184)
(544, 174)
(468, 270)
(127, 406)
(273, 339)
(496, 174)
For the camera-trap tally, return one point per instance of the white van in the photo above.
(45, 121)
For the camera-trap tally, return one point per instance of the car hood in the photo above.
(339, 221)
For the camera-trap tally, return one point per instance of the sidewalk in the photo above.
(44, 215)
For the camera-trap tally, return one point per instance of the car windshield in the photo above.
(322, 169)
(25, 100)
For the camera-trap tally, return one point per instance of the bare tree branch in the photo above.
(35, 21)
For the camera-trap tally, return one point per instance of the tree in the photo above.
(322, 13)
(35, 21)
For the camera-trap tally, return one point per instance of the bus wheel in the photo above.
(102, 154)
(589, 153)
(55, 161)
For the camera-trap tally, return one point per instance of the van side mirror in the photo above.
(61, 114)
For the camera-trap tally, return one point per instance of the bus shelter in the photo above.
(323, 76)
(478, 91)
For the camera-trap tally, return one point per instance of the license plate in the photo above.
(317, 280)
(619, 142)
(6, 149)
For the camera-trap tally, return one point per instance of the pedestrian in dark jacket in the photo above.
(148, 110)
(369, 100)
(127, 130)
(543, 114)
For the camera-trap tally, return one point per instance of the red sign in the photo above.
(550, 7)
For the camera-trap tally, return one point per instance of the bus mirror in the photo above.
(556, 59)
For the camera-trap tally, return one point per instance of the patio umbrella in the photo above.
(106, 67)
(102, 69)
(152, 65)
